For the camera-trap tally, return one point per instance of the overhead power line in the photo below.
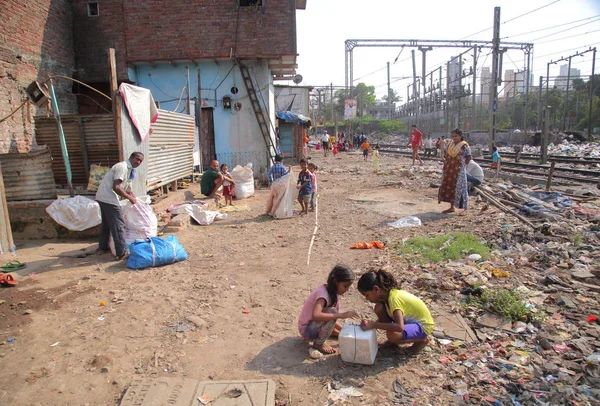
(568, 29)
(551, 27)
(571, 36)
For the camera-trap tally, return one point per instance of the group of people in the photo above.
(403, 316)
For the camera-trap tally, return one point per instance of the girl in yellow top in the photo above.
(404, 317)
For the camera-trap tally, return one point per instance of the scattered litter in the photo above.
(103, 303)
(343, 394)
(406, 222)
(55, 344)
(101, 318)
(246, 311)
(205, 399)
(364, 245)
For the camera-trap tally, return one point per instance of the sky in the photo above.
(557, 28)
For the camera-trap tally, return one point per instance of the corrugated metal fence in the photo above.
(91, 140)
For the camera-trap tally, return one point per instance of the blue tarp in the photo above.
(290, 117)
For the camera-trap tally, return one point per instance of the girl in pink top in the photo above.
(319, 315)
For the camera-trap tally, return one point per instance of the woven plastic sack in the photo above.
(97, 173)
(155, 251)
(244, 181)
(75, 213)
(285, 188)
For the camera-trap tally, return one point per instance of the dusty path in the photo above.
(70, 350)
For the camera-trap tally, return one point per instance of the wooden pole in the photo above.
(502, 207)
(7, 231)
(116, 104)
(550, 173)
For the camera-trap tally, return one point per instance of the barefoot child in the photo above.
(319, 315)
(403, 316)
(228, 185)
(304, 187)
(312, 168)
(366, 147)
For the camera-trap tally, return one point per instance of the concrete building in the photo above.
(508, 83)
(561, 81)
(485, 83)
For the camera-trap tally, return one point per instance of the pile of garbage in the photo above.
(564, 148)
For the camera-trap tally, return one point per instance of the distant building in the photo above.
(509, 83)
(561, 81)
(381, 111)
(485, 83)
(521, 84)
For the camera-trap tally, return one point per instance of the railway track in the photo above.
(560, 172)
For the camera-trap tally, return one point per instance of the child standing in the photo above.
(228, 185)
(304, 187)
(404, 317)
(312, 168)
(376, 158)
(366, 147)
(320, 312)
(496, 159)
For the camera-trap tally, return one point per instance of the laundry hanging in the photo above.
(140, 106)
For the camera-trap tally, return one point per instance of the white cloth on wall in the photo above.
(140, 106)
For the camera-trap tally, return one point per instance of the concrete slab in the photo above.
(259, 392)
(160, 391)
(185, 392)
(454, 326)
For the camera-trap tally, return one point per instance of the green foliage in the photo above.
(506, 302)
(443, 248)
(391, 126)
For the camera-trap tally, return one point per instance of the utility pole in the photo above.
(591, 94)
(545, 131)
(494, 85)
(539, 106)
(460, 89)
(188, 99)
(415, 88)
(447, 109)
(331, 100)
(565, 118)
(474, 92)
(424, 70)
(389, 93)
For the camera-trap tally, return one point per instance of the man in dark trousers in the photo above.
(115, 185)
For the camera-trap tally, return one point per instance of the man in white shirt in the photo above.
(428, 144)
(325, 142)
(115, 184)
(474, 173)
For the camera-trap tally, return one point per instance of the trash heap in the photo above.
(564, 148)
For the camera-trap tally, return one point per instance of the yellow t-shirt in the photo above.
(411, 307)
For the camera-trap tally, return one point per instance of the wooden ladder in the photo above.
(261, 117)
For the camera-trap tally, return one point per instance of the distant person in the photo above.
(437, 146)
(211, 181)
(416, 140)
(115, 185)
(474, 173)
(496, 159)
(404, 317)
(325, 142)
(376, 158)
(428, 144)
(304, 186)
(454, 189)
(321, 310)
(228, 185)
(277, 171)
(366, 147)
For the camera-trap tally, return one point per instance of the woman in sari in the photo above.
(454, 189)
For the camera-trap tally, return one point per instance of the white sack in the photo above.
(284, 187)
(75, 213)
(244, 181)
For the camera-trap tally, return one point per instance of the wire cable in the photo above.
(14, 111)
(568, 29)
(571, 36)
(180, 97)
(549, 28)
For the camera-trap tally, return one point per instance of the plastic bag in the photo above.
(410, 221)
(75, 213)
(199, 213)
(155, 252)
(244, 181)
(140, 221)
(285, 190)
(97, 173)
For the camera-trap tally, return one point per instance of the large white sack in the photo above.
(199, 213)
(75, 213)
(285, 188)
(140, 221)
(244, 181)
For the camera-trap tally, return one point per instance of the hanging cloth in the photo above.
(140, 106)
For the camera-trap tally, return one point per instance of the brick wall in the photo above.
(36, 40)
(154, 30)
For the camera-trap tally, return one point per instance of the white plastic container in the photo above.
(357, 345)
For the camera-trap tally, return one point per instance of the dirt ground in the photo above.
(68, 349)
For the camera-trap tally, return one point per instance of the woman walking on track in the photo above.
(454, 189)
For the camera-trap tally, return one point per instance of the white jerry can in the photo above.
(357, 345)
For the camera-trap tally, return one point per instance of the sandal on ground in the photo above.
(12, 266)
(7, 280)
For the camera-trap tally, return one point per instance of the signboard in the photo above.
(350, 109)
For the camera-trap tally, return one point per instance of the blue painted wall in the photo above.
(238, 139)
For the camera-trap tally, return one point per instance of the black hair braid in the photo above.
(386, 280)
(339, 273)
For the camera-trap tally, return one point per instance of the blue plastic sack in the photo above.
(155, 252)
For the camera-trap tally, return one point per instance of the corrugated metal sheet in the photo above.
(170, 156)
(28, 176)
(47, 134)
(100, 140)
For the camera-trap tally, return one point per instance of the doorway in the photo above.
(207, 136)
(286, 134)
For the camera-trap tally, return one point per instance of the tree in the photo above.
(394, 97)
